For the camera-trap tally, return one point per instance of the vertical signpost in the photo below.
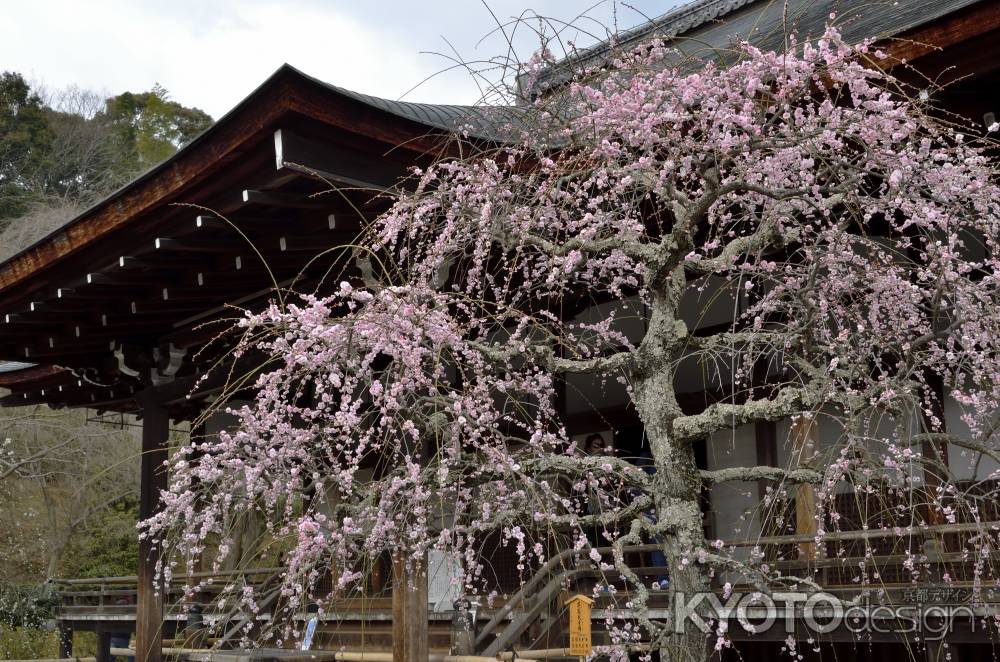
(580, 644)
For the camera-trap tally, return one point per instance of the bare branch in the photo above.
(762, 473)
(726, 416)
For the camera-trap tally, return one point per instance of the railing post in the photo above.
(463, 628)
(65, 639)
(103, 644)
(409, 610)
(805, 435)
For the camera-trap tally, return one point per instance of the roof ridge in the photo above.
(676, 21)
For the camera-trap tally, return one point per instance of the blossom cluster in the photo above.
(415, 406)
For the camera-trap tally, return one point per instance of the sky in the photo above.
(212, 54)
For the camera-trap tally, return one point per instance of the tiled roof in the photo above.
(486, 122)
(696, 27)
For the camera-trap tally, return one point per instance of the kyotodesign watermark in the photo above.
(815, 613)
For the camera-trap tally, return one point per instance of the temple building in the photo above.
(119, 309)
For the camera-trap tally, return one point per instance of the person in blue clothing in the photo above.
(121, 639)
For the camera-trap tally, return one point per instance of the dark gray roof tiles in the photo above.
(696, 28)
(494, 123)
(675, 22)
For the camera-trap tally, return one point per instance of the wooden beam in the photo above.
(32, 375)
(945, 32)
(308, 220)
(283, 200)
(409, 610)
(60, 305)
(314, 244)
(153, 479)
(200, 245)
(94, 398)
(148, 258)
(334, 163)
(47, 347)
(114, 276)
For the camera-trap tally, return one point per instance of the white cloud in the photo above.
(211, 55)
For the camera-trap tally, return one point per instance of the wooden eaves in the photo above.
(138, 278)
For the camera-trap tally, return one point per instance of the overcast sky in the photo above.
(212, 54)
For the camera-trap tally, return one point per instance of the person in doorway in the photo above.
(594, 444)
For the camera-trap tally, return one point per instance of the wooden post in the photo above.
(805, 435)
(409, 611)
(65, 639)
(935, 454)
(463, 629)
(153, 479)
(103, 644)
(766, 439)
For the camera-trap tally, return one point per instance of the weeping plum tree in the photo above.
(414, 408)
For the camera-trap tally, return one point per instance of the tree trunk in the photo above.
(57, 536)
(55, 559)
(677, 481)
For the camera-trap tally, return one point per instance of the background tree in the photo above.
(87, 158)
(852, 232)
(71, 147)
(152, 124)
(69, 485)
(25, 137)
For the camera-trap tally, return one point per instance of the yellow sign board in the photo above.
(579, 625)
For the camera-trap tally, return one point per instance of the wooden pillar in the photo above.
(463, 629)
(409, 611)
(805, 436)
(936, 469)
(153, 479)
(65, 639)
(103, 644)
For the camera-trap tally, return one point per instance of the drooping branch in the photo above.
(961, 442)
(547, 358)
(766, 234)
(626, 243)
